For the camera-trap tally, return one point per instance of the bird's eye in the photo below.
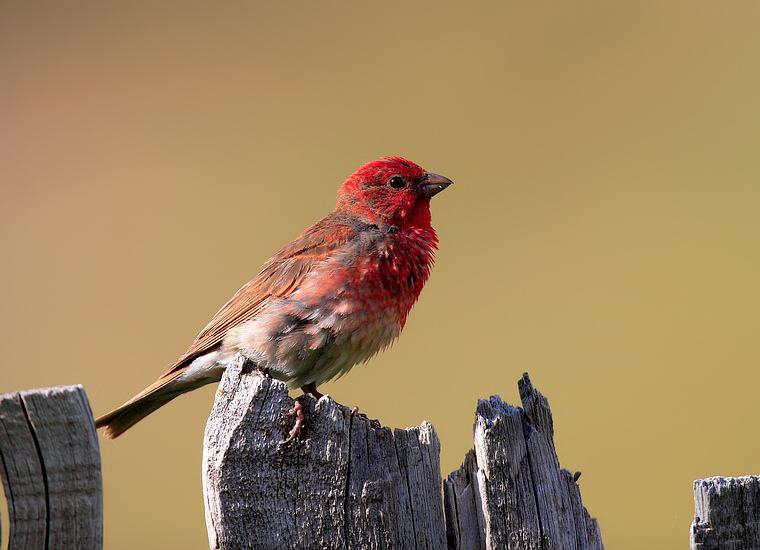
(397, 182)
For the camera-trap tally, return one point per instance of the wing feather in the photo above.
(279, 277)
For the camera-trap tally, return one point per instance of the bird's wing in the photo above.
(280, 276)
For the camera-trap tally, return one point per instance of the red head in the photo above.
(391, 190)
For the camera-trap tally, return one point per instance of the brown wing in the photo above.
(280, 276)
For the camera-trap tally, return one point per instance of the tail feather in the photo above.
(151, 398)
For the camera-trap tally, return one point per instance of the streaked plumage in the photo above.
(332, 298)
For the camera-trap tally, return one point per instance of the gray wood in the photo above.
(341, 484)
(22, 476)
(727, 513)
(511, 492)
(51, 469)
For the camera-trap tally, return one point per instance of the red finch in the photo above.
(332, 298)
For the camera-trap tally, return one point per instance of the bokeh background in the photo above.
(602, 233)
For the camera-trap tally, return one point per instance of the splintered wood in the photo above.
(511, 492)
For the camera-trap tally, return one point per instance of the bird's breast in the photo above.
(352, 306)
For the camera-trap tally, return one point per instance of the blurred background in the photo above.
(602, 233)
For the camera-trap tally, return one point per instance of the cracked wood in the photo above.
(341, 484)
(727, 513)
(511, 493)
(50, 466)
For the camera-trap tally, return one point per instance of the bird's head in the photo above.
(391, 190)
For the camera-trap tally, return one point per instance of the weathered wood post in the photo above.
(511, 492)
(343, 484)
(50, 466)
(727, 513)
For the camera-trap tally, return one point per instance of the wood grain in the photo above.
(510, 491)
(51, 469)
(727, 513)
(341, 484)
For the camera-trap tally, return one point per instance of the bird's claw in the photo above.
(296, 411)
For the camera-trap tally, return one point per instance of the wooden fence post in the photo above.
(50, 467)
(343, 484)
(511, 492)
(727, 513)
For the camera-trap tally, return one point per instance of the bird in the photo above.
(331, 299)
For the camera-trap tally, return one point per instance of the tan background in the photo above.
(602, 233)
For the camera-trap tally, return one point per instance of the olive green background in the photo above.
(602, 233)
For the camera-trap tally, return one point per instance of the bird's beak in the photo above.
(434, 184)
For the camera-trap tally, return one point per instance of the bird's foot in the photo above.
(373, 422)
(296, 411)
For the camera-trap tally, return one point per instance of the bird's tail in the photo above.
(158, 394)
